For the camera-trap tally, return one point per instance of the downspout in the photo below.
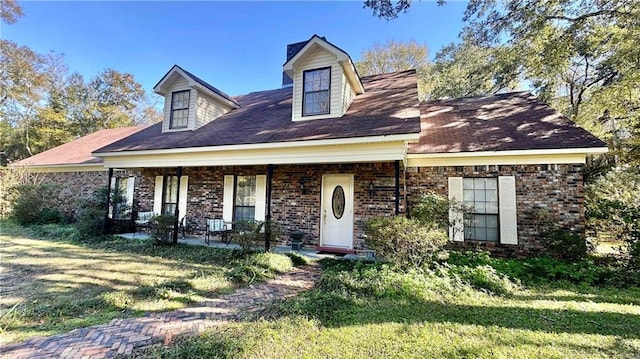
(107, 223)
(177, 210)
(267, 235)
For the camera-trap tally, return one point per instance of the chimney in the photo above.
(292, 50)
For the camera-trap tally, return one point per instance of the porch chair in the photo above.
(217, 226)
(143, 221)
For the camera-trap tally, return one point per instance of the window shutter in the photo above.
(261, 197)
(456, 232)
(130, 185)
(508, 213)
(227, 200)
(157, 196)
(182, 204)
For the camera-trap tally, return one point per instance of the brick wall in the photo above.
(295, 195)
(296, 192)
(557, 189)
(75, 187)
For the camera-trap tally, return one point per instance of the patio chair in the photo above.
(144, 220)
(182, 227)
(219, 227)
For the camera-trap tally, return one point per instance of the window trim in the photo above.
(172, 109)
(470, 214)
(304, 93)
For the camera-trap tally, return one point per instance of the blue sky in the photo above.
(238, 47)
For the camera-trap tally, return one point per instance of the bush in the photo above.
(433, 208)
(485, 277)
(564, 245)
(251, 234)
(33, 204)
(404, 242)
(162, 229)
(91, 218)
(613, 209)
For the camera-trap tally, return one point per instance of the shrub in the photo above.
(433, 208)
(32, 204)
(485, 277)
(565, 245)
(251, 234)
(91, 218)
(613, 209)
(404, 242)
(162, 229)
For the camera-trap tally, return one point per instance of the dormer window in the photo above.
(316, 97)
(179, 109)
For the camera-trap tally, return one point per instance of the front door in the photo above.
(336, 228)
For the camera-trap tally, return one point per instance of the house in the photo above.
(72, 168)
(331, 149)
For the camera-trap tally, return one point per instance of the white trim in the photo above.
(157, 195)
(182, 203)
(261, 198)
(227, 198)
(520, 157)
(161, 90)
(581, 150)
(364, 152)
(271, 145)
(99, 167)
(508, 210)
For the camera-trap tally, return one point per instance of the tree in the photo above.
(583, 58)
(388, 9)
(10, 11)
(466, 69)
(41, 106)
(397, 56)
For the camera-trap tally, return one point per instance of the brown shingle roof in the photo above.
(79, 151)
(388, 107)
(509, 121)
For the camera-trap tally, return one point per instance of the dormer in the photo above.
(325, 81)
(189, 102)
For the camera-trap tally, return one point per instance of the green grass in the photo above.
(51, 284)
(360, 310)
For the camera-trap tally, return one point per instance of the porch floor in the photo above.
(308, 252)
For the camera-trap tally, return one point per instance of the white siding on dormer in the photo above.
(315, 59)
(192, 107)
(347, 94)
(208, 109)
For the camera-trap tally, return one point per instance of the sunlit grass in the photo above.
(360, 311)
(52, 286)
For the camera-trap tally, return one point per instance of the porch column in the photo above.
(176, 224)
(267, 217)
(107, 223)
(397, 165)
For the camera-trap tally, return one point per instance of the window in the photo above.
(315, 99)
(481, 194)
(179, 109)
(244, 208)
(120, 203)
(170, 195)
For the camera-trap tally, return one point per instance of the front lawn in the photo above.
(361, 311)
(51, 284)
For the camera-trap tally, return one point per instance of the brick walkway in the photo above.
(122, 336)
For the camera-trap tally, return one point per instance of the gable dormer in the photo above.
(189, 102)
(325, 81)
